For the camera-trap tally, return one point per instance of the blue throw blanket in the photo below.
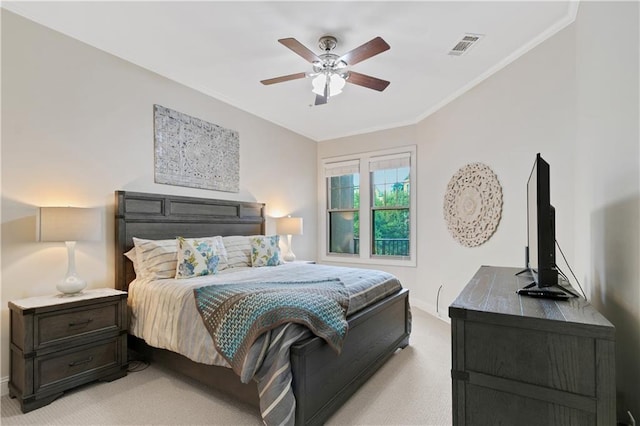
(237, 314)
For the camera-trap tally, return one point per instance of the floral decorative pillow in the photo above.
(265, 251)
(198, 256)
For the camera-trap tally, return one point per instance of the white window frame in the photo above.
(365, 256)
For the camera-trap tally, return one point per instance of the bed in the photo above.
(321, 380)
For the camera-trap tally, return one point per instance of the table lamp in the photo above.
(69, 224)
(289, 226)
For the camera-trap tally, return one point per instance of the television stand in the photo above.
(529, 361)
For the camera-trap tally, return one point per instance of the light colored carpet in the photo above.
(412, 388)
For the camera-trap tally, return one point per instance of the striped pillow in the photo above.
(132, 256)
(238, 251)
(157, 259)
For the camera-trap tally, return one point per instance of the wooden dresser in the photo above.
(58, 343)
(529, 361)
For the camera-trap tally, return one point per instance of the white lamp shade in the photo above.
(289, 226)
(336, 84)
(69, 224)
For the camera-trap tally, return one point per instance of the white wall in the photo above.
(503, 122)
(78, 125)
(607, 181)
(574, 99)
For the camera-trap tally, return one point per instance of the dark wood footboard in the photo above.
(323, 380)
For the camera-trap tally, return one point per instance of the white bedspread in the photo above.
(164, 313)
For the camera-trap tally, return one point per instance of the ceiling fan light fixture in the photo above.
(336, 84)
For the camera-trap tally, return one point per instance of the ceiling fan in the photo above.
(330, 71)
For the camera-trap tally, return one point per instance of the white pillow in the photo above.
(238, 250)
(131, 255)
(157, 259)
(265, 251)
(199, 256)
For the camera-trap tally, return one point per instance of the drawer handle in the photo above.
(84, 361)
(76, 324)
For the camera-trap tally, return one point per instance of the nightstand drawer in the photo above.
(71, 323)
(76, 364)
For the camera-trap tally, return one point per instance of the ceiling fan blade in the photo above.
(367, 81)
(320, 100)
(284, 78)
(299, 48)
(367, 50)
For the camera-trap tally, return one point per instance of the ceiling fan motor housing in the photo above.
(327, 43)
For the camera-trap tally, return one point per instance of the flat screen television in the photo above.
(541, 226)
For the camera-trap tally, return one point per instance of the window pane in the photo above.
(344, 232)
(390, 187)
(390, 232)
(344, 192)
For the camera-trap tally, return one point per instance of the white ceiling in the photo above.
(224, 49)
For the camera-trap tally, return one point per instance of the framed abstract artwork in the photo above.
(195, 153)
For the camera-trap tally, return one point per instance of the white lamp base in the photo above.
(289, 256)
(72, 283)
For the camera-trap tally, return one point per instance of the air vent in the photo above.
(465, 44)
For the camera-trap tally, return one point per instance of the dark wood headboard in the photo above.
(157, 216)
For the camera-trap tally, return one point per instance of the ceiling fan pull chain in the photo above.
(326, 86)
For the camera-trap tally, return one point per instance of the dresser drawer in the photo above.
(81, 365)
(60, 326)
(551, 360)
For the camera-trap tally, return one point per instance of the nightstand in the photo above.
(60, 342)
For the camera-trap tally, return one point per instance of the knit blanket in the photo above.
(236, 314)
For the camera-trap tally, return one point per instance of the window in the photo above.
(390, 205)
(370, 208)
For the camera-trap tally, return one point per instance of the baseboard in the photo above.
(429, 309)
(4, 386)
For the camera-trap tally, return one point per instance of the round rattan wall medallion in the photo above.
(473, 204)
